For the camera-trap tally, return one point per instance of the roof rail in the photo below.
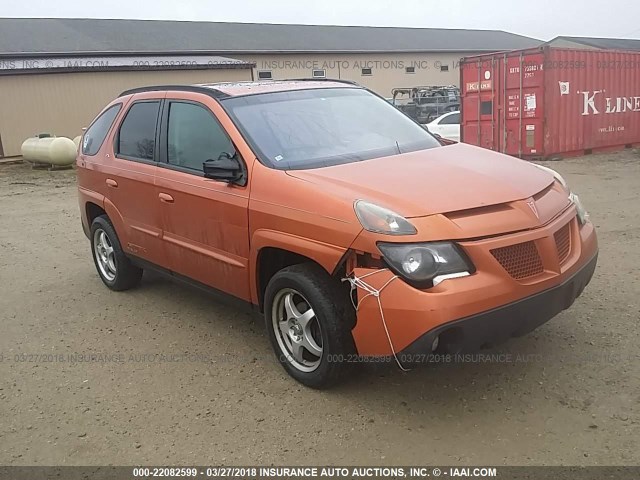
(217, 94)
(337, 80)
(212, 92)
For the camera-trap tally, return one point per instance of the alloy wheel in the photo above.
(104, 254)
(297, 330)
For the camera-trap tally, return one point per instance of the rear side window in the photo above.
(97, 132)
(452, 119)
(137, 136)
(194, 136)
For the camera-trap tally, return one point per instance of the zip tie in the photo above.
(358, 282)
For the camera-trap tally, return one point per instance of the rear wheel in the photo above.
(115, 269)
(309, 321)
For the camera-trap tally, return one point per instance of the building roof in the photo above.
(602, 43)
(63, 36)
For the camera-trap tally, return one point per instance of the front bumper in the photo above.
(482, 309)
(496, 326)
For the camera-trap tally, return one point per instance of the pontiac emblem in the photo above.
(534, 209)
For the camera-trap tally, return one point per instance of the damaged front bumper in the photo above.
(477, 311)
(496, 326)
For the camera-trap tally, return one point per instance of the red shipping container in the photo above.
(551, 102)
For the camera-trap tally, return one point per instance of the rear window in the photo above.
(137, 137)
(97, 132)
(452, 119)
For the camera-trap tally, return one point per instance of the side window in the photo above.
(137, 136)
(194, 136)
(452, 119)
(97, 132)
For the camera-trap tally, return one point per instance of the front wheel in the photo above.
(309, 320)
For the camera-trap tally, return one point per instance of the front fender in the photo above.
(325, 254)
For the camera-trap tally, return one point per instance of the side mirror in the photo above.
(226, 168)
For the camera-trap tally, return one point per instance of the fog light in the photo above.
(434, 345)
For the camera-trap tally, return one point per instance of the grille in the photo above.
(563, 242)
(520, 261)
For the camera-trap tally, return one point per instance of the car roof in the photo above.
(236, 89)
(269, 86)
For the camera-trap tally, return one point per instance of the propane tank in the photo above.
(49, 150)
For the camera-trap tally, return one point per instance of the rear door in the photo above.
(130, 178)
(205, 222)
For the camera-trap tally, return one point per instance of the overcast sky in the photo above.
(543, 19)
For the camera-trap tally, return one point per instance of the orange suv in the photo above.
(357, 234)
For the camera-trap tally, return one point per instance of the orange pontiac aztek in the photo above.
(353, 229)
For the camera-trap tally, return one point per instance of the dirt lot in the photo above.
(574, 401)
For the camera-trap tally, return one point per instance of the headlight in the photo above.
(583, 215)
(378, 219)
(423, 265)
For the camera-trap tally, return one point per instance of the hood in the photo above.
(438, 180)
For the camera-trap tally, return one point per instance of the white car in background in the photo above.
(447, 126)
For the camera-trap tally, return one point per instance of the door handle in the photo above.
(165, 197)
(111, 183)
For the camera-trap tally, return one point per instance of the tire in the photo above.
(316, 349)
(114, 268)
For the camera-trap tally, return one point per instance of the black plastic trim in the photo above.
(211, 92)
(322, 79)
(224, 297)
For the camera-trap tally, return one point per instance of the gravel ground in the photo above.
(572, 396)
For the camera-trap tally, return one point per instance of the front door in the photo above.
(205, 222)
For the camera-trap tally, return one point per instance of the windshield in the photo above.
(321, 127)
